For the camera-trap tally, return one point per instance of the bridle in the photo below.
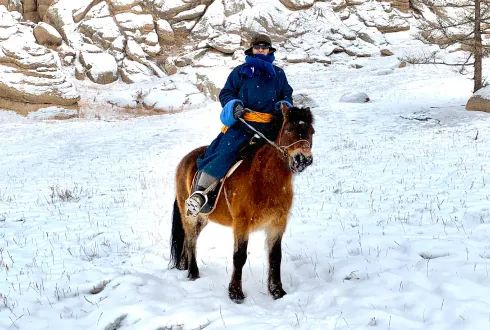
(282, 148)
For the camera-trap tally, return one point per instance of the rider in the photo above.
(256, 85)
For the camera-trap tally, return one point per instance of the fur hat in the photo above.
(260, 39)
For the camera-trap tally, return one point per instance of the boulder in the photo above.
(101, 68)
(132, 71)
(135, 22)
(42, 7)
(298, 4)
(226, 43)
(386, 52)
(167, 9)
(304, 100)
(134, 51)
(165, 100)
(119, 6)
(479, 101)
(30, 11)
(190, 14)
(355, 97)
(53, 113)
(47, 35)
(164, 31)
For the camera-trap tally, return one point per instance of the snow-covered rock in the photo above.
(47, 35)
(53, 112)
(103, 30)
(119, 6)
(479, 101)
(134, 51)
(164, 31)
(382, 17)
(30, 72)
(132, 71)
(190, 14)
(101, 68)
(226, 43)
(165, 100)
(302, 99)
(354, 97)
(298, 4)
(168, 9)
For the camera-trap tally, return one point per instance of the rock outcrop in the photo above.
(138, 40)
(31, 73)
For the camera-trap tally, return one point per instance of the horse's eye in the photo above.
(289, 129)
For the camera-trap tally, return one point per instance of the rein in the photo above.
(282, 149)
(272, 143)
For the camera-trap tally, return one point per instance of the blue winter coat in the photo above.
(255, 90)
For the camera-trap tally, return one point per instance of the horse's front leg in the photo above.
(235, 291)
(274, 238)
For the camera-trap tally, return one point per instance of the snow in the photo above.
(6, 19)
(51, 113)
(484, 93)
(165, 99)
(389, 226)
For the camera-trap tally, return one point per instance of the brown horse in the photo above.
(257, 196)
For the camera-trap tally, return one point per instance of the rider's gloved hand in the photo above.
(239, 111)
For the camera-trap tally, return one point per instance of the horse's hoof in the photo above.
(192, 277)
(183, 264)
(277, 292)
(236, 295)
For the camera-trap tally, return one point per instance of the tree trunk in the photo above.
(477, 75)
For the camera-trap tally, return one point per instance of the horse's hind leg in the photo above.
(235, 291)
(193, 227)
(274, 239)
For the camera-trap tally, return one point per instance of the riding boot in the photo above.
(198, 197)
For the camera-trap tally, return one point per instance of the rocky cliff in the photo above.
(43, 41)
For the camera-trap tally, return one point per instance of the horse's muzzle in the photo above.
(299, 162)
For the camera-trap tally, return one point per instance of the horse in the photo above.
(257, 196)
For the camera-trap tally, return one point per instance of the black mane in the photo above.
(296, 115)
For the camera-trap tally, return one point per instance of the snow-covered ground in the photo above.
(389, 227)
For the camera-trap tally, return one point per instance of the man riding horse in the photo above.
(258, 85)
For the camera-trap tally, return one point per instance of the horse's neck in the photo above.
(270, 167)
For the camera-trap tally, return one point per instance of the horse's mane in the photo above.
(294, 115)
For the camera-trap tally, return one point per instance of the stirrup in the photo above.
(194, 205)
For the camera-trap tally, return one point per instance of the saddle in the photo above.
(247, 152)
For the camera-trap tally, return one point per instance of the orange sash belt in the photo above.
(256, 117)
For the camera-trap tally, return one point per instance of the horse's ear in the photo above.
(284, 109)
(307, 109)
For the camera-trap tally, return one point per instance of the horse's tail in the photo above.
(177, 237)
